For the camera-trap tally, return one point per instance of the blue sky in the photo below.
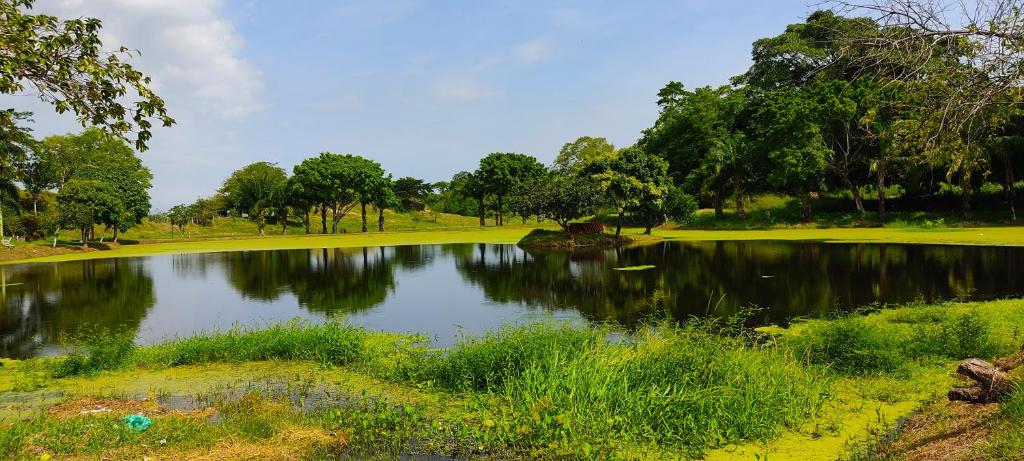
(424, 87)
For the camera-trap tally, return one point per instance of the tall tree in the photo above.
(504, 173)
(412, 193)
(84, 203)
(583, 150)
(252, 189)
(112, 161)
(369, 184)
(329, 180)
(632, 177)
(472, 185)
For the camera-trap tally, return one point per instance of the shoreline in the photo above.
(982, 236)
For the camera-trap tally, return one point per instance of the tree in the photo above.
(108, 159)
(680, 206)
(412, 193)
(503, 173)
(629, 178)
(583, 150)
(179, 216)
(472, 185)
(252, 190)
(84, 203)
(369, 185)
(564, 198)
(329, 181)
(67, 66)
(796, 150)
(383, 198)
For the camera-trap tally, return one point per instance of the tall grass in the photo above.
(331, 343)
(888, 342)
(560, 388)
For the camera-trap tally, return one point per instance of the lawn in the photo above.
(38, 251)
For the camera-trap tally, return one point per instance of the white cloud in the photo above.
(190, 51)
(533, 50)
(463, 88)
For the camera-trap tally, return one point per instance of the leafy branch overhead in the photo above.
(64, 62)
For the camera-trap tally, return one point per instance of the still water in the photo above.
(448, 290)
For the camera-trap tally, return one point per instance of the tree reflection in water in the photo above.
(40, 302)
(51, 300)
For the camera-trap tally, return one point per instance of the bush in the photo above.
(94, 350)
(558, 387)
(586, 228)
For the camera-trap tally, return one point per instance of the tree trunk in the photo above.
(35, 205)
(805, 207)
(115, 234)
(260, 222)
(305, 220)
(618, 222)
(880, 175)
(362, 206)
(737, 185)
(647, 230)
(85, 237)
(380, 219)
(991, 383)
(335, 218)
(501, 213)
(482, 210)
(323, 218)
(717, 201)
(858, 200)
(1010, 192)
(965, 195)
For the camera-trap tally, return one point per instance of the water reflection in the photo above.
(444, 290)
(45, 301)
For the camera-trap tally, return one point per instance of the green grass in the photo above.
(557, 390)
(898, 340)
(242, 227)
(545, 238)
(635, 268)
(331, 343)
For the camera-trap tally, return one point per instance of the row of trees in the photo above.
(829, 106)
(77, 181)
(332, 185)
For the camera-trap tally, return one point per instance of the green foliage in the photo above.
(556, 386)
(255, 190)
(93, 350)
(584, 150)
(412, 193)
(502, 174)
(331, 343)
(680, 206)
(67, 64)
(861, 345)
(84, 203)
(564, 198)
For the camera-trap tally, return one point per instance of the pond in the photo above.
(448, 290)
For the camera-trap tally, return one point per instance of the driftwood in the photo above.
(992, 383)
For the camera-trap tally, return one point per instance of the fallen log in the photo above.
(991, 382)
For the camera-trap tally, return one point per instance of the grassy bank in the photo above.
(1009, 236)
(821, 389)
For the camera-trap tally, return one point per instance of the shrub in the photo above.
(586, 228)
(93, 350)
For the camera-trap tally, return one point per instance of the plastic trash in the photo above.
(138, 423)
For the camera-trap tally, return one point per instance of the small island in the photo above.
(568, 239)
